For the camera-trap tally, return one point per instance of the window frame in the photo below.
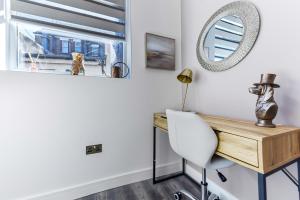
(12, 57)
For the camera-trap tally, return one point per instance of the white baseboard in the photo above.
(213, 187)
(85, 189)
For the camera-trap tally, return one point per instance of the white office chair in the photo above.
(193, 139)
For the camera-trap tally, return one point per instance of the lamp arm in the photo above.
(186, 90)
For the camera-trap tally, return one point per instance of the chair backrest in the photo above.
(191, 137)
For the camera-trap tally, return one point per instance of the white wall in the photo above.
(226, 93)
(47, 120)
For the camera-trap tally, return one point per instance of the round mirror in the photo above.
(228, 36)
(224, 38)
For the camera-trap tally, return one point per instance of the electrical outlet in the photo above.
(92, 149)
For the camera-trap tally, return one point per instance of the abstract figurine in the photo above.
(266, 107)
(78, 65)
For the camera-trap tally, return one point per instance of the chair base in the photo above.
(179, 195)
(205, 195)
(183, 193)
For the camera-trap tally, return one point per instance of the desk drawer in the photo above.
(238, 148)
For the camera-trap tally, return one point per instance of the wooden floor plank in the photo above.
(145, 190)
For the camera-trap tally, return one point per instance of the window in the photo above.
(45, 44)
(78, 46)
(95, 50)
(49, 31)
(64, 46)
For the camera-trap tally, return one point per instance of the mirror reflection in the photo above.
(224, 38)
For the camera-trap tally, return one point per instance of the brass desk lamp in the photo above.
(185, 77)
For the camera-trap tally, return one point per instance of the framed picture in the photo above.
(160, 52)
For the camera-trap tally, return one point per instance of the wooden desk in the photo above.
(264, 150)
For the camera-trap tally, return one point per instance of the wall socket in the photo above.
(92, 149)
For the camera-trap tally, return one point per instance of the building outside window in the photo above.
(53, 49)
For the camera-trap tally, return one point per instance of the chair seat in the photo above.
(218, 162)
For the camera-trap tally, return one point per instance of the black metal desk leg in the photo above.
(154, 154)
(165, 177)
(262, 186)
(298, 165)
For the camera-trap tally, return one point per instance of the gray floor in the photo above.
(147, 191)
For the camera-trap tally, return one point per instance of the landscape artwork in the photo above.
(160, 52)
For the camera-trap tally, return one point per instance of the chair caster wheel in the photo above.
(178, 196)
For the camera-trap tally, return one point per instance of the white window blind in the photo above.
(101, 17)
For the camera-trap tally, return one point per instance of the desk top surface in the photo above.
(242, 127)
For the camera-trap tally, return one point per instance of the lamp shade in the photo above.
(186, 76)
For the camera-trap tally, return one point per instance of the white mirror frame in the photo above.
(249, 15)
